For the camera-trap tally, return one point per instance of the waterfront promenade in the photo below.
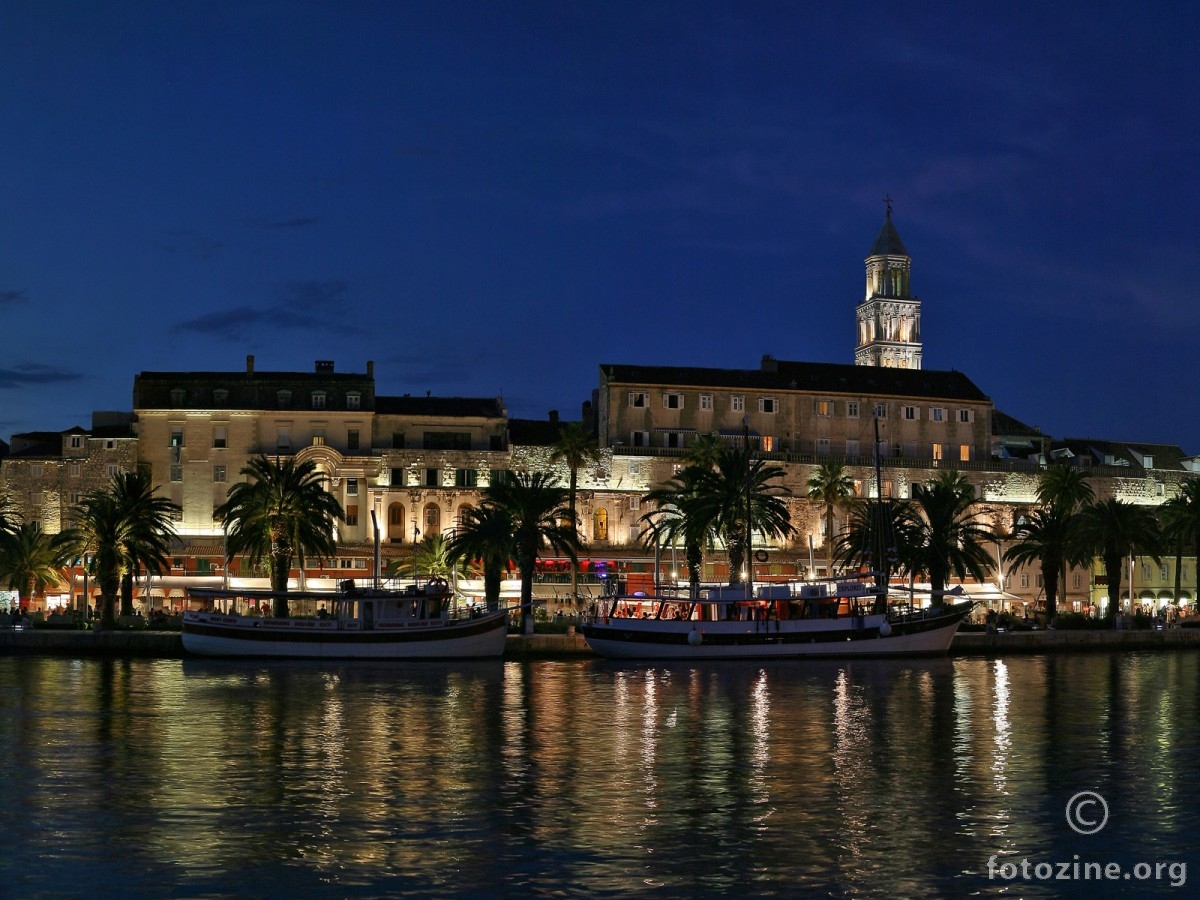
(169, 645)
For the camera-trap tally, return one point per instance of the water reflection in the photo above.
(152, 778)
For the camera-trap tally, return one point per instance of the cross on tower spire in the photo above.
(888, 200)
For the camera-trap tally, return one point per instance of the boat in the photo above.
(847, 616)
(412, 622)
(829, 617)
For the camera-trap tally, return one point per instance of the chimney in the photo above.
(249, 365)
(770, 363)
(370, 368)
(324, 366)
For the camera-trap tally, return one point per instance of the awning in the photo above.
(675, 430)
(737, 432)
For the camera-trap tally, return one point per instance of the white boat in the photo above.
(416, 622)
(841, 618)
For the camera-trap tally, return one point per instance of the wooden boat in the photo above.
(416, 622)
(823, 618)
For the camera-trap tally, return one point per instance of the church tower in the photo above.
(889, 318)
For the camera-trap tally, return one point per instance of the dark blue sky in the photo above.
(494, 198)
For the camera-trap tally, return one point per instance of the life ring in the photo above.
(761, 555)
(436, 585)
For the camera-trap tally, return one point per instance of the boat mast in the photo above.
(880, 559)
(749, 555)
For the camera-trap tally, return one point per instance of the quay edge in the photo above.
(169, 644)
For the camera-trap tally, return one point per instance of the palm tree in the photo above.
(431, 558)
(576, 448)
(1114, 531)
(32, 561)
(674, 519)
(1181, 524)
(283, 512)
(741, 484)
(878, 537)
(151, 528)
(704, 451)
(950, 537)
(1046, 537)
(485, 535)
(102, 530)
(831, 485)
(1065, 487)
(535, 507)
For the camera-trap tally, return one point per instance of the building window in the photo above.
(635, 503)
(1077, 580)
(220, 397)
(637, 399)
(706, 401)
(395, 514)
(177, 473)
(640, 438)
(220, 437)
(600, 524)
(768, 443)
(964, 452)
(218, 474)
(433, 517)
(113, 470)
(673, 401)
(966, 416)
(284, 399)
(283, 440)
(673, 439)
(737, 403)
(318, 399)
(431, 478)
(501, 476)
(1024, 579)
(397, 440)
(351, 514)
(880, 410)
(911, 414)
(465, 478)
(351, 487)
(73, 470)
(397, 479)
(939, 451)
(447, 440)
(937, 414)
(351, 438)
(176, 435)
(851, 447)
(851, 409)
(35, 471)
(1163, 572)
(178, 396)
(823, 407)
(823, 446)
(353, 400)
(767, 405)
(318, 438)
(76, 442)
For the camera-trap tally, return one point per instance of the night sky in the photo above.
(494, 198)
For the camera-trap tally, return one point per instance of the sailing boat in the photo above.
(845, 616)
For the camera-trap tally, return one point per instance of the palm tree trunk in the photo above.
(127, 593)
(575, 525)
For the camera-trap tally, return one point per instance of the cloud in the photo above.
(294, 222)
(298, 306)
(13, 296)
(185, 241)
(26, 374)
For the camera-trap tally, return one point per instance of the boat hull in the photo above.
(217, 634)
(850, 636)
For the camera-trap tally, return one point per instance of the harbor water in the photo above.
(577, 778)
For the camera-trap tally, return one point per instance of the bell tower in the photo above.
(889, 318)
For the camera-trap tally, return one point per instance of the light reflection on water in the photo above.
(877, 778)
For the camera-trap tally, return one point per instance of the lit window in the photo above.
(351, 514)
(964, 452)
(824, 407)
(768, 443)
(318, 439)
(176, 435)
